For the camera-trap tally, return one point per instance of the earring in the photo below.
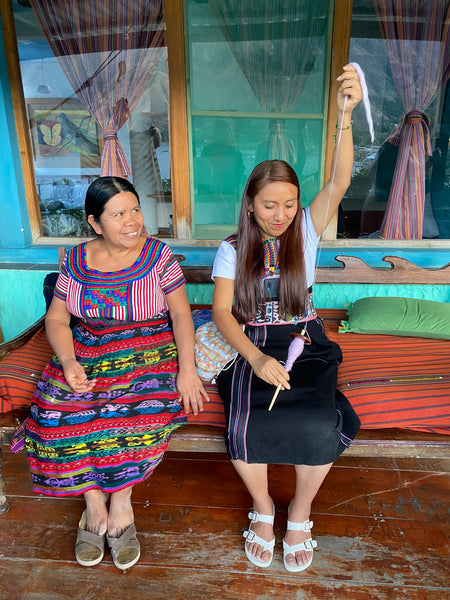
(249, 214)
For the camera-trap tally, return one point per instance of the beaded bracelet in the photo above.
(349, 126)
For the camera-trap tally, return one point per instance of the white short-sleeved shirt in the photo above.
(225, 263)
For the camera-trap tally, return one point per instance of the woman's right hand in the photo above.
(270, 370)
(76, 377)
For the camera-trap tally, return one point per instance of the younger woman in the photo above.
(263, 277)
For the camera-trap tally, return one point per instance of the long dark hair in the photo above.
(103, 189)
(250, 256)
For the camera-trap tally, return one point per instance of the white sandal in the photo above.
(308, 545)
(255, 539)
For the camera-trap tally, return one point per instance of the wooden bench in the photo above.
(394, 443)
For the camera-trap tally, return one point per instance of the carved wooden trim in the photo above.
(401, 271)
(352, 269)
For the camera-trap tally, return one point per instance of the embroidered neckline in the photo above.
(77, 266)
(131, 269)
(271, 249)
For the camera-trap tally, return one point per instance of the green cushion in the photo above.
(399, 316)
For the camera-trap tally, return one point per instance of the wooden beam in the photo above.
(179, 154)
(342, 23)
(20, 116)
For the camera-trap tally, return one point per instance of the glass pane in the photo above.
(67, 140)
(226, 151)
(244, 110)
(365, 205)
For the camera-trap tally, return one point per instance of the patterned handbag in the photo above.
(212, 352)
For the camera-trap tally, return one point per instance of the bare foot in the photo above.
(121, 514)
(263, 530)
(96, 512)
(294, 537)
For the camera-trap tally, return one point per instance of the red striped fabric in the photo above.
(20, 371)
(391, 381)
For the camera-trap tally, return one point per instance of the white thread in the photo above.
(338, 141)
(365, 99)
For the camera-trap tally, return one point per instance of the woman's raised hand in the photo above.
(350, 91)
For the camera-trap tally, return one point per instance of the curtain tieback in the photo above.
(110, 134)
(114, 161)
(413, 117)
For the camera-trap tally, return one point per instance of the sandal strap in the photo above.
(124, 541)
(305, 526)
(87, 538)
(255, 539)
(256, 517)
(308, 545)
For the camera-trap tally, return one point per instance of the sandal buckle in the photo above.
(309, 544)
(249, 535)
(253, 516)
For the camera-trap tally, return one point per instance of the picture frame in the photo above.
(63, 130)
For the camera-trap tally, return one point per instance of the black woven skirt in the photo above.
(311, 424)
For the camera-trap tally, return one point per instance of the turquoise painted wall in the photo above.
(23, 265)
(22, 300)
(339, 295)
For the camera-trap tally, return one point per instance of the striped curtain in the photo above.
(108, 50)
(417, 39)
(275, 44)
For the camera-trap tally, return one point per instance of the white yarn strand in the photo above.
(365, 98)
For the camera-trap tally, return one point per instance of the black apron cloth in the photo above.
(311, 424)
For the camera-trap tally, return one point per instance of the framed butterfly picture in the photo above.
(63, 128)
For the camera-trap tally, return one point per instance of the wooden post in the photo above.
(4, 506)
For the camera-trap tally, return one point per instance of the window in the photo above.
(410, 96)
(91, 99)
(257, 82)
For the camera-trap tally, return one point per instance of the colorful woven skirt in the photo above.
(116, 435)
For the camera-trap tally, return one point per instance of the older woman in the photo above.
(121, 381)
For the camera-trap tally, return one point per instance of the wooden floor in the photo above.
(381, 526)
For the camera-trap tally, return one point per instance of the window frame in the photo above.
(178, 131)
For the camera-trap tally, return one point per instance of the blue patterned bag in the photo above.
(212, 352)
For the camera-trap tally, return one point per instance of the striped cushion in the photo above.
(20, 371)
(394, 381)
(391, 381)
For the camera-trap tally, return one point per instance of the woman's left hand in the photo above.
(350, 88)
(191, 391)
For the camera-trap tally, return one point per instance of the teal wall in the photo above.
(23, 265)
(22, 300)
